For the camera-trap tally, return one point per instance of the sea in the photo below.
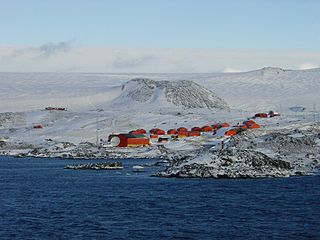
(39, 199)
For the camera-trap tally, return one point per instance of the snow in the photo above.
(269, 88)
(154, 100)
(83, 93)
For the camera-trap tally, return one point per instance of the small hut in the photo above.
(157, 131)
(141, 131)
(207, 128)
(183, 134)
(249, 122)
(194, 134)
(182, 129)
(224, 125)
(231, 132)
(196, 129)
(261, 115)
(172, 131)
(253, 126)
(216, 126)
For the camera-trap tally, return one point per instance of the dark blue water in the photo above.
(41, 200)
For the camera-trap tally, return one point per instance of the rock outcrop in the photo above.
(231, 163)
(96, 166)
(187, 94)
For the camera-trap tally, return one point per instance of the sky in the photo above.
(158, 36)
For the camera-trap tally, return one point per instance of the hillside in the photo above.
(186, 94)
(130, 101)
(268, 88)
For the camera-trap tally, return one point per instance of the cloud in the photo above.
(50, 49)
(45, 50)
(231, 70)
(22, 52)
(125, 62)
(308, 65)
(63, 56)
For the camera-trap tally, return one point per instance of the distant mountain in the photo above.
(266, 89)
(187, 94)
(259, 90)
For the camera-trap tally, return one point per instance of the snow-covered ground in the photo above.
(267, 88)
(99, 104)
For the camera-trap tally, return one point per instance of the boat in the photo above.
(138, 168)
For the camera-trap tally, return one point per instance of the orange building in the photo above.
(141, 131)
(231, 132)
(182, 129)
(157, 131)
(172, 131)
(129, 140)
(255, 125)
(194, 134)
(243, 126)
(261, 115)
(182, 134)
(224, 125)
(206, 129)
(196, 129)
(249, 122)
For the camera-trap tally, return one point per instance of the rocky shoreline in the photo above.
(252, 154)
(85, 150)
(229, 164)
(96, 166)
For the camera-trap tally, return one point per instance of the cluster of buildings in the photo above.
(140, 137)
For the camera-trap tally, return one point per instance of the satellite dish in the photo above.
(115, 141)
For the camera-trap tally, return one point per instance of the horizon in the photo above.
(171, 36)
(178, 73)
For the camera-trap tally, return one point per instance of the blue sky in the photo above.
(244, 34)
(278, 24)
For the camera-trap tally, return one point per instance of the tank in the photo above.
(115, 141)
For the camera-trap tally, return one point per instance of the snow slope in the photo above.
(268, 88)
(162, 106)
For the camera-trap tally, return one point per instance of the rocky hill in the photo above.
(187, 94)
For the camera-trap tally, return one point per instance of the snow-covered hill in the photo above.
(150, 100)
(187, 94)
(99, 104)
(268, 88)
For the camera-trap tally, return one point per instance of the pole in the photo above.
(314, 111)
(97, 132)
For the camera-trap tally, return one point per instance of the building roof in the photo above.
(128, 135)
